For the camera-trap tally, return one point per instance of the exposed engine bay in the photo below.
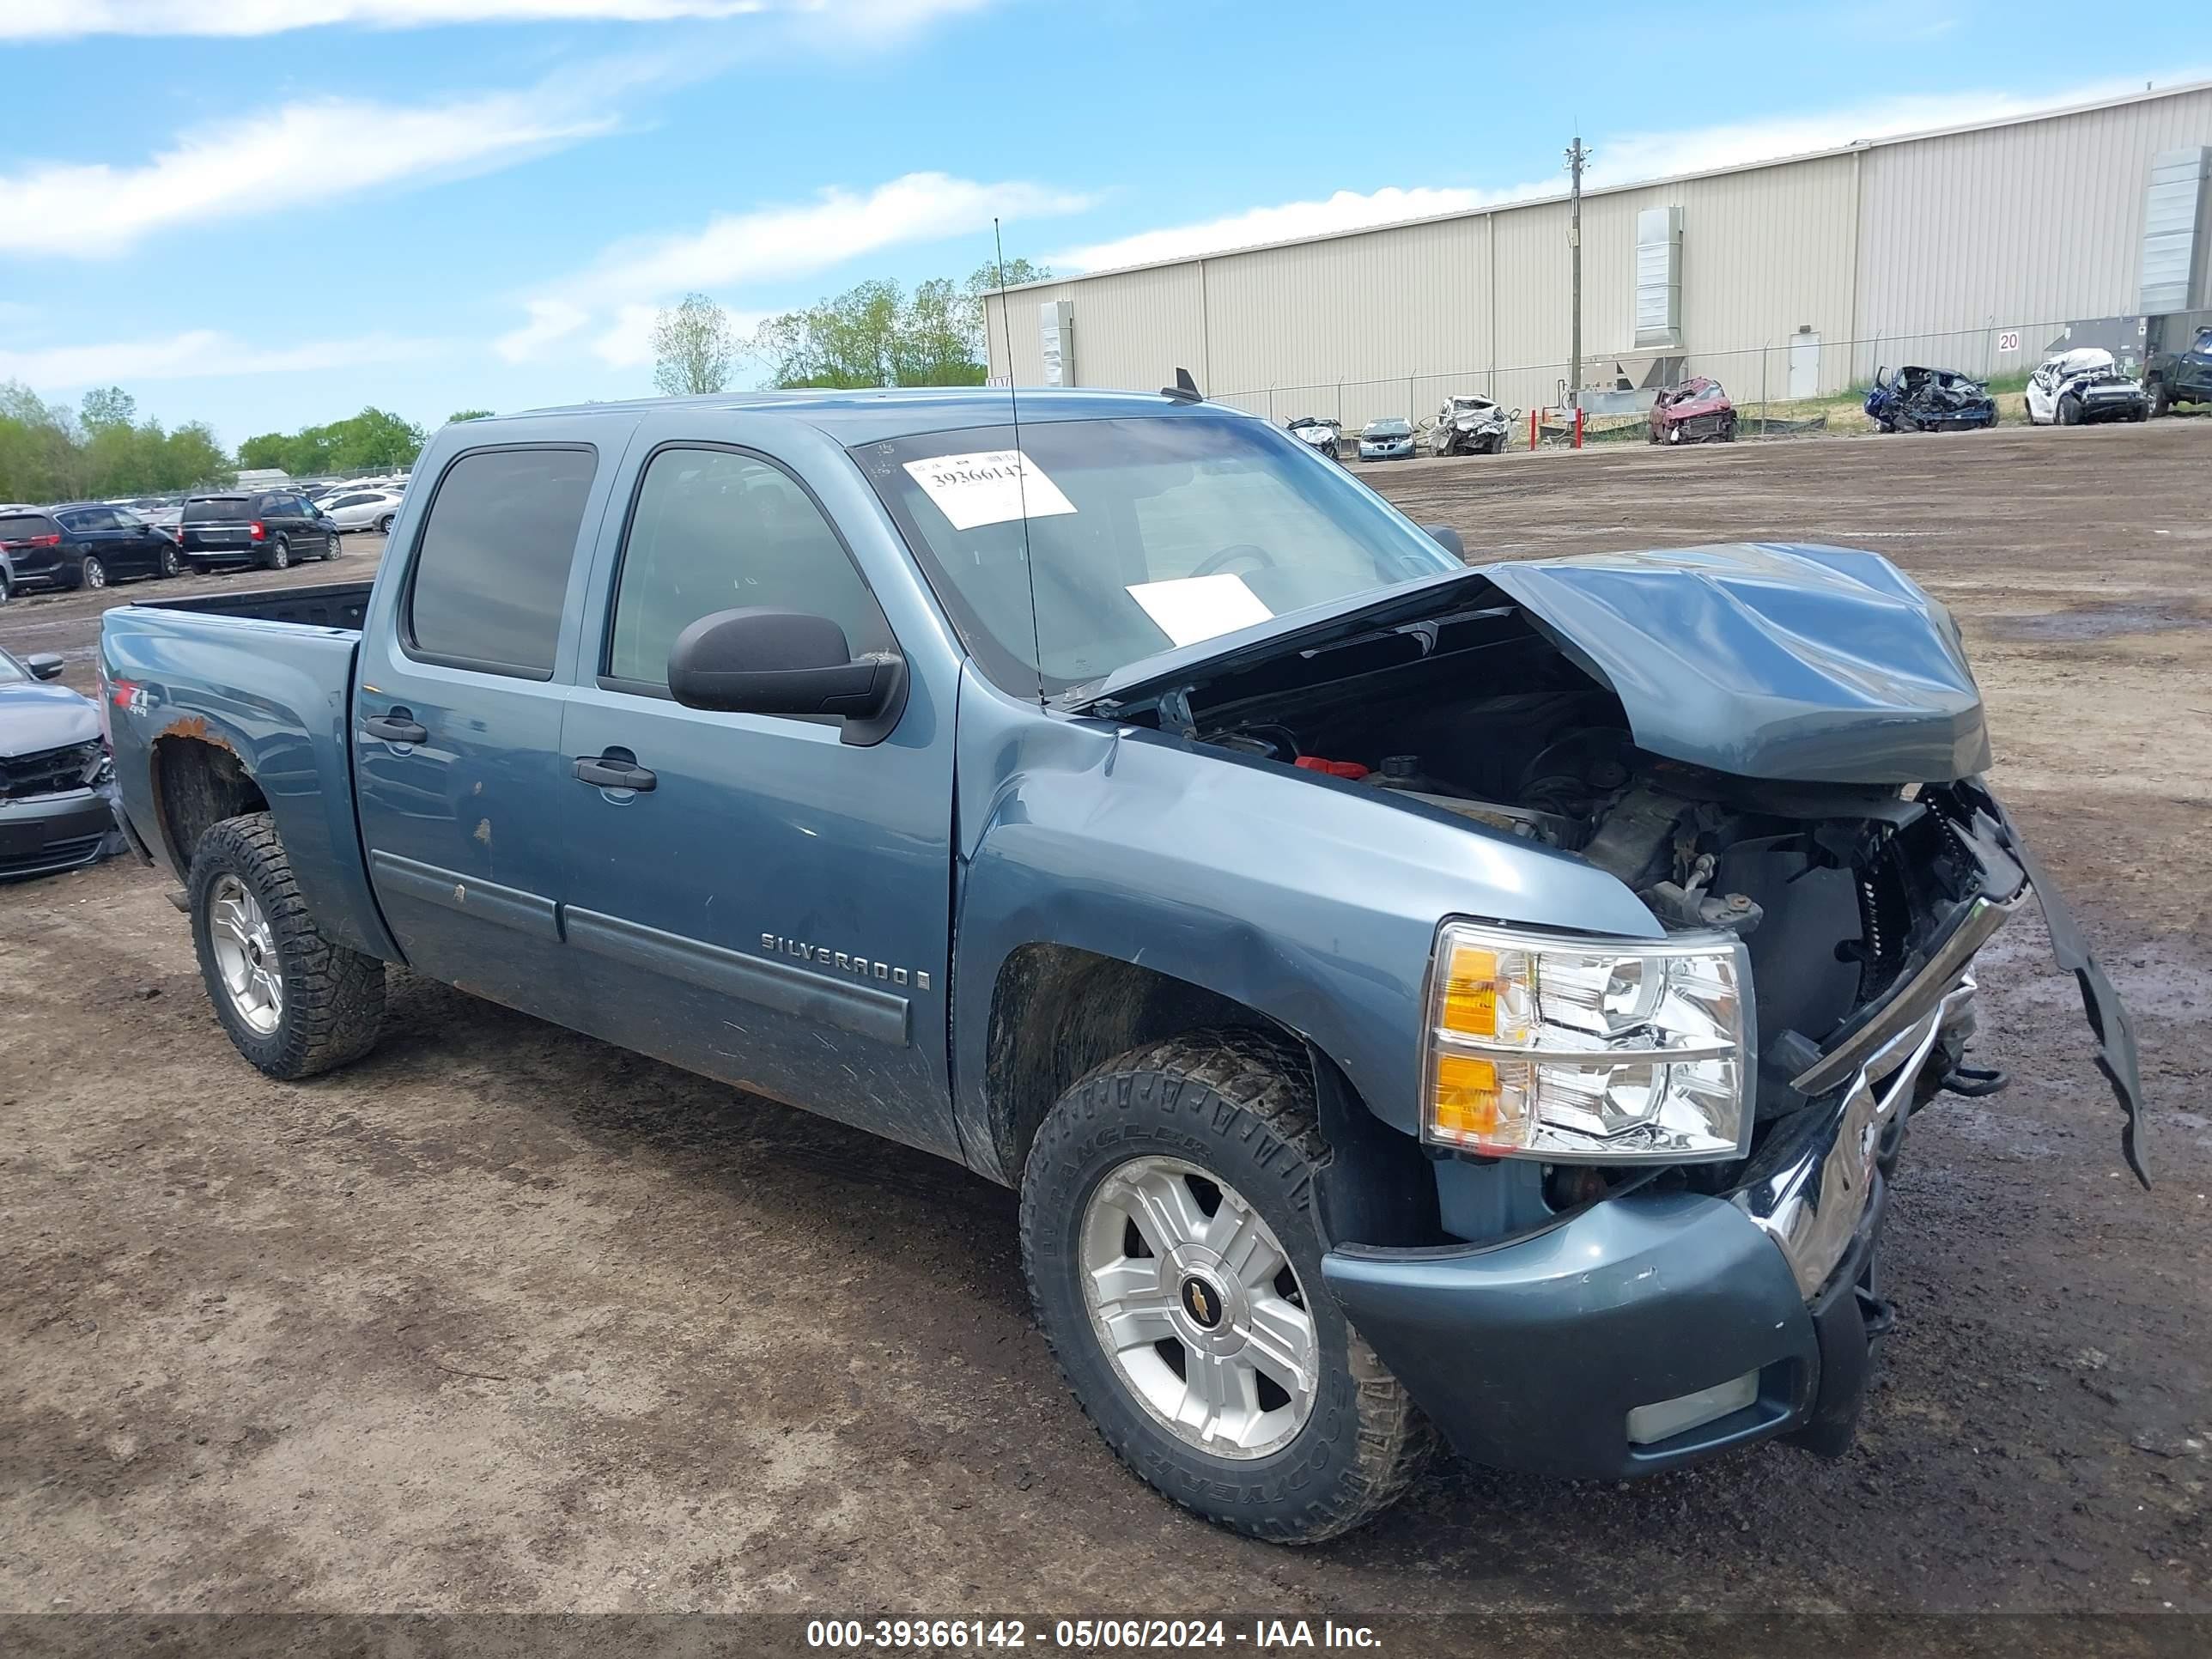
(1837, 889)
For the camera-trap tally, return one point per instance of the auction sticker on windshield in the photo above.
(1195, 608)
(990, 486)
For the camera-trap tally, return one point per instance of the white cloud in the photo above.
(549, 320)
(1625, 158)
(327, 148)
(33, 19)
(764, 244)
(200, 353)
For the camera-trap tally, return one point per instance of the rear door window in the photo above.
(492, 561)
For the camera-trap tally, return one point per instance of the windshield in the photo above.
(1145, 534)
(11, 672)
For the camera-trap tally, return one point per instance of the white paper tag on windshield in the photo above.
(1195, 608)
(991, 486)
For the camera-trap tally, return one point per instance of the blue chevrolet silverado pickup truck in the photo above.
(1409, 997)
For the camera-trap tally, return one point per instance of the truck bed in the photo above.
(266, 680)
(337, 605)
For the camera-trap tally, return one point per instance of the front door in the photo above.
(772, 906)
(457, 723)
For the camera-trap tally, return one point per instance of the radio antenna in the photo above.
(1021, 461)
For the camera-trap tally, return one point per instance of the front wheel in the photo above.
(2069, 412)
(2161, 400)
(1174, 1259)
(384, 525)
(293, 1003)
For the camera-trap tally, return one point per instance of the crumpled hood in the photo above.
(39, 716)
(1768, 660)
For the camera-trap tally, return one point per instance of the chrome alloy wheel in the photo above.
(1196, 1304)
(245, 955)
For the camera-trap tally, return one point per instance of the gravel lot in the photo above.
(500, 1318)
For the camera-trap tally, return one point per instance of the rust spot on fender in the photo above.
(195, 728)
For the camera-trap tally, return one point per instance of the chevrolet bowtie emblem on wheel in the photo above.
(1199, 1304)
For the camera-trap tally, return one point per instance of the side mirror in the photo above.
(44, 667)
(1446, 538)
(756, 661)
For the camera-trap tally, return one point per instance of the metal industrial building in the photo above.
(1972, 247)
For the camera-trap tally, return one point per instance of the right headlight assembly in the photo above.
(1587, 1051)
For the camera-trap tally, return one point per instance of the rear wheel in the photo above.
(168, 562)
(1172, 1254)
(293, 1002)
(280, 555)
(91, 573)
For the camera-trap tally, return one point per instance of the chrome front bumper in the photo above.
(1810, 1202)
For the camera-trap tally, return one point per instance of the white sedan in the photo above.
(363, 509)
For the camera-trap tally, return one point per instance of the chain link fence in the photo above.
(1800, 385)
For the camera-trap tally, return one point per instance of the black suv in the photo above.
(84, 544)
(269, 528)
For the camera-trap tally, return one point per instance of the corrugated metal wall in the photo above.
(1937, 245)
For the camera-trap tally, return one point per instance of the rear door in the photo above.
(456, 726)
(774, 909)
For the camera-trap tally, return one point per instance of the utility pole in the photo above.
(1577, 158)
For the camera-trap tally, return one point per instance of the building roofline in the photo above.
(1856, 147)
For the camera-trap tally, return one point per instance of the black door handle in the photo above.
(396, 727)
(613, 771)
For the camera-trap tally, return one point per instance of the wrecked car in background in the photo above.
(1916, 399)
(56, 782)
(1406, 997)
(1320, 433)
(1471, 426)
(2171, 377)
(2083, 387)
(1695, 412)
(1390, 438)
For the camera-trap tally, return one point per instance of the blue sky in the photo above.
(265, 213)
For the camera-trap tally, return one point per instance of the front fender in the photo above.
(1311, 900)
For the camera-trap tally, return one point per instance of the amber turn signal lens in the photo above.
(1471, 992)
(1466, 1106)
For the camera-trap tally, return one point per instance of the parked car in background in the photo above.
(7, 577)
(84, 544)
(1387, 440)
(1916, 399)
(56, 782)
(1471, 426)
(1321, 434)
(2181, 377)
(1698, 411)
(2083, 386)
(269, 528)
(363, 509)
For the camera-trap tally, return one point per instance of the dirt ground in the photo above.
(502, 1319)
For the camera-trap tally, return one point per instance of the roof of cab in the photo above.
(866, 416)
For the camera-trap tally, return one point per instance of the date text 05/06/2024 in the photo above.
(1087, 1635)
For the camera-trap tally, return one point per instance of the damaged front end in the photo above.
(1779, 750)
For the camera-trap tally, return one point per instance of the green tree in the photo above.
(375, 440)
(459, 415)
(108, 406)
(692, 345)
(874, 334)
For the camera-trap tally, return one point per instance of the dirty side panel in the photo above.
(273, 695)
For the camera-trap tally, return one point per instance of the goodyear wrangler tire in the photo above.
(293, 1003)
(1169, 1236)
